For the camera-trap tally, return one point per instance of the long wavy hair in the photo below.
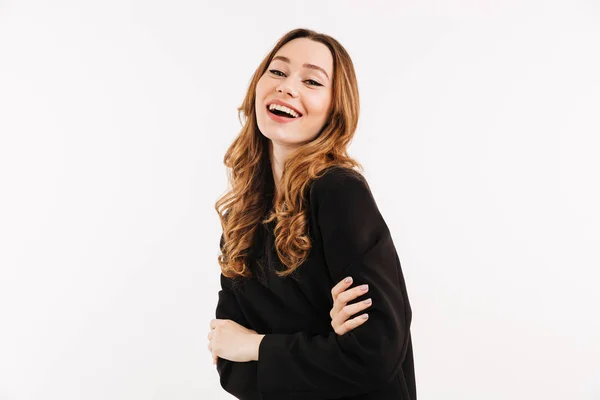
(248, 204)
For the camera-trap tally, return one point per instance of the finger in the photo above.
(340, 287)
(355, 322)
(351, 309)
(347, 326)
(214, 322)
(348, 311)
(353, 293)
(348, 295)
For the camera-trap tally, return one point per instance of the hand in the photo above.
(341, 311)
(232, 341)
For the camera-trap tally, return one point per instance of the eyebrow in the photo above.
(311, 66)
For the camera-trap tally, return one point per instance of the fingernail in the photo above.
(367, 301)
(365, 316)
(348, 279)
(364, 288)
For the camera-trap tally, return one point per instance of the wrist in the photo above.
(259, 338)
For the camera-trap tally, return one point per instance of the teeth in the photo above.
(284, 109)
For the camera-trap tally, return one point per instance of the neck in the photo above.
(278, 155)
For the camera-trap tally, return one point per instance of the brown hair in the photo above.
(243, 207)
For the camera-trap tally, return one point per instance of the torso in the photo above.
(299, 302)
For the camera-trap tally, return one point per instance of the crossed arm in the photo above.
(307, 366)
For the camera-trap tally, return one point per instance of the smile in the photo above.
(282, 114)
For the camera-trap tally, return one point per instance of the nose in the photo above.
(285, 86)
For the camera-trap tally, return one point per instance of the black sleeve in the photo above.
(356, 242)
(237, 378)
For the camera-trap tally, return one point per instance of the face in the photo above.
(298, 81)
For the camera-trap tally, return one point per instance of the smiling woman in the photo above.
(302, 239)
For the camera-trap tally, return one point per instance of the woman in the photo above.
(298, 220)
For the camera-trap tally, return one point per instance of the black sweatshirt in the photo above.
(301, 357)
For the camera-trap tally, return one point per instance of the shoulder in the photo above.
(346, 212)
(343, 193)
(337, 180)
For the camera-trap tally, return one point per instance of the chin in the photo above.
(282, 139)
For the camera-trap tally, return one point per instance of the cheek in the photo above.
(259, 89)
(319, 106)
(262, 88)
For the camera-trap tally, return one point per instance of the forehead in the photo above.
(305, 51)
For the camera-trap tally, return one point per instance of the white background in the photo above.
(479, 134)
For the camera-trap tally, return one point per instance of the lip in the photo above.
(283, 103)
(281, 120)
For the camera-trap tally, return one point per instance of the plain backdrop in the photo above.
(479, 135)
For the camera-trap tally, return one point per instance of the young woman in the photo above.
(298, 220)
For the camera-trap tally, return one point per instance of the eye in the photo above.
(276, 72)
(311, 82)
